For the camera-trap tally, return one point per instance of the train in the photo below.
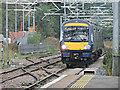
(81, 42)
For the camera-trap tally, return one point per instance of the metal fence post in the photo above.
(2, 53)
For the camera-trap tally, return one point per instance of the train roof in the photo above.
(77, 21)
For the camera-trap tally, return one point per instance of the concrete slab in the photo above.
(73, 71)
(103, 82)
(95, 82)
(63, 83)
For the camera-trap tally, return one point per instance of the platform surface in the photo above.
(86, 81)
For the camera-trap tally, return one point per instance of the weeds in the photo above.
(107, 62)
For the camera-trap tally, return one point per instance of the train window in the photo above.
(76, 34)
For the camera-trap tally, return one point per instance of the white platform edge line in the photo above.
(54, 81)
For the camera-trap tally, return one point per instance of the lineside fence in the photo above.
(34, 48)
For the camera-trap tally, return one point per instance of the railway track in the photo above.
(41, 60)
(29, 69)
(42, 65)
(49, 78)
(82, 71)
(45, 54)
(44, 80)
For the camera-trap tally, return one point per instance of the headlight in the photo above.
(63, 47)
(87, 47)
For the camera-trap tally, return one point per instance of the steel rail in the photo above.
(28, 65)
(33, 85)
(26, 72)
(53, 74)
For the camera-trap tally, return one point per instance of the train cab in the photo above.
(76, 42)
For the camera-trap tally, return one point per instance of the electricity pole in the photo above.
(7, 32)
(34, 19)
(29, 19)
(116, 21)
(23, 17)
(16, 21)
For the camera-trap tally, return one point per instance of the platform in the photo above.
(84, 81)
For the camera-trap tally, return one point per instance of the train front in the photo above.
(76, 42)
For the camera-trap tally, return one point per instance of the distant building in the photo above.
(12, 35)
(21, 37)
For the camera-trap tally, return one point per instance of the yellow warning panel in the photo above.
(81, 83)
(76, 45)
(76, 24)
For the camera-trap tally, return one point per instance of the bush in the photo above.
(107, 61)
(51, 40)
(34, 38)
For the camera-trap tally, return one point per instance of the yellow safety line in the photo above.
(81, 83)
